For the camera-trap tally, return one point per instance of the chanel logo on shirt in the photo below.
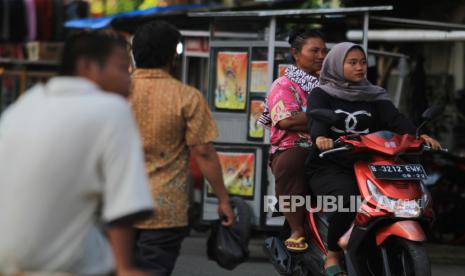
(351, 122)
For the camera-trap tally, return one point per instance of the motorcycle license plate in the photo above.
(398, 172)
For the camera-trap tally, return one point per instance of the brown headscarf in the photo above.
(332, 79)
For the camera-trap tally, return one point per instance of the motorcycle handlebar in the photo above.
(347, 148)
(331, 151)
(428, 148)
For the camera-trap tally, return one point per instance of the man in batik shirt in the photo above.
(174, 121)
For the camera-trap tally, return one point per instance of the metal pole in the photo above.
(271, 49)
(400, 81)
(271, 52)
(366, 18)
(203, 69)
(211, 89)
(184, 66)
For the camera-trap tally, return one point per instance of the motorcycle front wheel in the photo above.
(405, 258)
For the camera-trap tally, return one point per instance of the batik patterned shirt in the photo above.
(171, 116)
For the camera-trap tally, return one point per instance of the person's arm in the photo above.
(207, 159)
(391, 119)
(200, 131)
(433, 143)
(284, 109)
(297, 122)
(319, 131)
(397, 122)
(265, 120)
(121, 239)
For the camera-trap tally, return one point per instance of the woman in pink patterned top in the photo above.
(289, 138)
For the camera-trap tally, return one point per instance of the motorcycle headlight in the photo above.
(381, 199)
(400, 208)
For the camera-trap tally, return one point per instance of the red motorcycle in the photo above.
(387, 234)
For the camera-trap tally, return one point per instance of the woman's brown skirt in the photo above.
(288, 168)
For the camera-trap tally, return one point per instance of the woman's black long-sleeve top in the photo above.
(356, 118)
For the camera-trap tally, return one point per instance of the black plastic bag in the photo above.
(226, 247)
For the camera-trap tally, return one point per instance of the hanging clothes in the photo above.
(5, 21)
(118, 6)
(97, 8)
(30, 12)
(44, 12)
(77, 9)
(59, 15)
(151, 3)
(17, 21)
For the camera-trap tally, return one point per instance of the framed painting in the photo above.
(255, 131)
(238, 168)
(231, 80)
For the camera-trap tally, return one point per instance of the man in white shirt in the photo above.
(70, 158)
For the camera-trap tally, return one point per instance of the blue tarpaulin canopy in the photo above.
(103, 22)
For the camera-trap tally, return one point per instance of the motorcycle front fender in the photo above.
(407, 229)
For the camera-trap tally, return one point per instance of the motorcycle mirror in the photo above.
(324, 115)
(432, 112)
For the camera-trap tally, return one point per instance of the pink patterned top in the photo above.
(286, 98)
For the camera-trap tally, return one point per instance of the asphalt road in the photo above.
(193, 261)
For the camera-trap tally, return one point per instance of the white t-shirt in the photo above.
(70, 157)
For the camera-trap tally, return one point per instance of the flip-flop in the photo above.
(300, 241)
(334, 270)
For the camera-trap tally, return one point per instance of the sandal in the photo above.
(334, 270)
(296, 245)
